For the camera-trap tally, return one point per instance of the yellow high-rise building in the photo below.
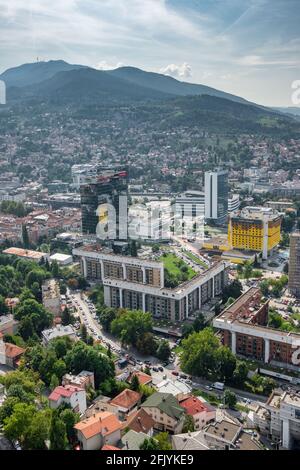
(254, 228)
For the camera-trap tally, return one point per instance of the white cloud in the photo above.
(179, 71)
(104, 65)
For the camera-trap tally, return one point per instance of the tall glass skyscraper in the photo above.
(99, 191)
(216, 196)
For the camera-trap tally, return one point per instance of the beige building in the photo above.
(100, 429)
(166, 412)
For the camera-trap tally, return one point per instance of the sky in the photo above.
(250, 48)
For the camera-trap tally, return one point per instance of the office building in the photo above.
(216, 196)
(98, 193)
(243, 328)
(136, 283)
(254, 228)
(294, 264)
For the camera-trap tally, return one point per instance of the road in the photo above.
(95, 330)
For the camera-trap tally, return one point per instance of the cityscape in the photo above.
(149, 262)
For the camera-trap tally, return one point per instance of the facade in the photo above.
(135, 283)
(166, 412)
(51, 297)
(254, 228)
(201, 412)
(243, 327)
(127, 402)
(61, 259)
(10, 354)
(98, 430)
(279, 418)
(216, 196)
(233, 202)
(294, 264)
(97, 193)
(70, 395)
(83, 380)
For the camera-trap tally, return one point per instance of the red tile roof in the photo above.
(144, 379)
(193, 405)
(13, 351)
(139, 421)
(126, 399)
(63, 391)
(104, 423)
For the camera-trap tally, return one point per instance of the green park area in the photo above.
(176, 270)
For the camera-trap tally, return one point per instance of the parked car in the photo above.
(160, 368)
(174, 372)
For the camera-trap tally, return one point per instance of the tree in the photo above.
(230, 398)
(149, 444)
(3, 306)
(83, 333)
(189, 425)
(226, 362)
(130, 325)
(198, 353)
(55, 269)
(163, 441)
(187, 329)
(133, 248)
(163, 351)
(199, 322)
(106, 316)
(135, 383)
(25, 237)
(67, 318)
(54, 382)
(17, 424)
(234, 290)
(58, 434)
(240, 373)
(38, 431)
(146, 344)
(70, 419)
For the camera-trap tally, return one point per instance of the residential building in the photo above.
(31, 255)
(294, 264)
(137, 283)
(144, 379)
(216, 196)
(61, 259)
(127, 402)
(132, 440)
(57, 332)
(279, 418)
(51, 297)
(254, 228)
(100, 404)
(165, 411)
(140, 421)
(10, 354)
(243, 328)
(177, 388)
(75, 397)
(201, 412)
(98, 430)
(84, 379)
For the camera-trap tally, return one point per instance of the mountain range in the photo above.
(59, 80)
(148, 96)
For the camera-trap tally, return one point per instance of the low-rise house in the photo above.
(201, 412)
(101, 403)
(144, 379)
(84, 379)
(140, 421)
(165, 411)
(57, 332)
(132, 440)
(127, 402)
(178, 389)
(190, 441)
(99, 430)
(10, 354)
(75, 397)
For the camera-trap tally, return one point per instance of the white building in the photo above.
(178, 389)
(61, 259)
(216, 195)
(58, 332)
(70, 395)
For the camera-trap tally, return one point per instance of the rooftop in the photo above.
(104, 423)
(139, 421)
(224, 430)
(37, 255)
(126, 399)
(193, 406)
(64, 392)
(166, 402)
(245, 307)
